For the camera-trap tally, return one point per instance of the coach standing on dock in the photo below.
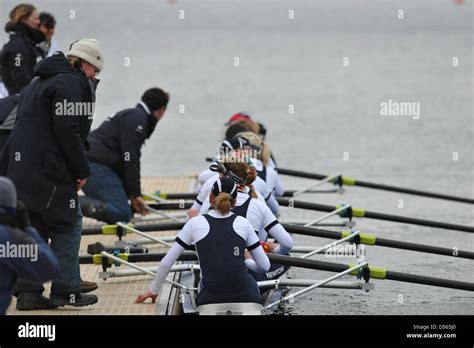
(47, 162)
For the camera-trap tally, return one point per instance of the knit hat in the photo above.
(7, 193)
(89, 50)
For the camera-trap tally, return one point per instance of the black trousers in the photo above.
(22, 284)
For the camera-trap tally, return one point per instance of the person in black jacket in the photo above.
(33, 259)
(8, 107)
(46, 160)
(21, 53)
(114, 155)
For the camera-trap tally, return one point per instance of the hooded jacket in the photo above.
(19, 57)
(45, 154)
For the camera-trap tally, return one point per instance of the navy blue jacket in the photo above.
(117, 144)
(6, 107)
(45, 153)
(19, 56)
(45, 268)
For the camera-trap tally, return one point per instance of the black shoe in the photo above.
(87, 286)
(74, 300)
(29, 301)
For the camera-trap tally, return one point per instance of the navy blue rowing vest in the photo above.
(276, 270)
(221, 257)
(241, 210)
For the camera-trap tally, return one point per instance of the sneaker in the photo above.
(87, 286)
(75, 301)
(29, 301)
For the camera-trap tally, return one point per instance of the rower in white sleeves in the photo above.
(220, 238)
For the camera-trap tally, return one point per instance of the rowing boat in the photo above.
(178, 295)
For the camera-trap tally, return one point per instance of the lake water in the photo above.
(337, 124)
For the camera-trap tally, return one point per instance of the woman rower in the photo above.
(259, 154)
(208, 177)
(220, 238)
(260, 216)
(236, 167)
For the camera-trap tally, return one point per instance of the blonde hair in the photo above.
(19, 14)
(255, 140)
(224, 202)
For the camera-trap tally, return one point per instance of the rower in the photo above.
(259, 153)
(260, 216)
(247, 205)
(220, 238)
(227, 146)
(210, 177)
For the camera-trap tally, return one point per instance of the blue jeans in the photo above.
(65, 244)
(105, 185)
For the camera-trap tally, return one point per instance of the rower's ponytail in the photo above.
(224, 202)
(251, 176)
(265, 155)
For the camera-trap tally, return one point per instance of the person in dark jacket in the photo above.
(47, 161)
(23, 252)
(21, 53)
(114, 155)
(8, 108)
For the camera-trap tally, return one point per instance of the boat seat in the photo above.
(245, 308)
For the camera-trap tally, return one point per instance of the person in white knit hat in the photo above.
(88, 56)
(55, 114)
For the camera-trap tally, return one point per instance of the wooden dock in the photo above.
(117, 295)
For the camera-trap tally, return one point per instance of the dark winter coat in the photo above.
(19, 57)
(45, 153)
(117, 144)
(8, 108)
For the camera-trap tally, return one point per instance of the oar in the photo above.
(171, 206)
(150, 257)
(141, 269)
(353, 182)
(112, 229)
(192, 195)
(371, 239)
(357, 212)
(375, 272)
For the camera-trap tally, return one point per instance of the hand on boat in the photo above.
(272, 246)
(142, 298)
(138, 203)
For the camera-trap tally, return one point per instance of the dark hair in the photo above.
(236, 128)
(155, 98)
(47, 20)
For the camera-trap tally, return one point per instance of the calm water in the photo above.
(337, 110)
